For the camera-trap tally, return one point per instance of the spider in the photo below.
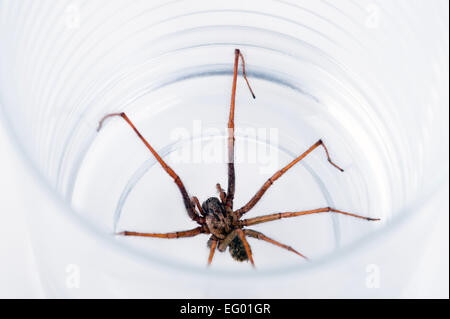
(216, 216)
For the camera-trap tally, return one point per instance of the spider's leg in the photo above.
(271, 217)
(231, 174)
(195, 202)
(187, 202)
(225, 242)
(212, 251)
(261, 236)
(178, 234)
(237, 232)
(241, 235)
(222, 193)
(255, 199)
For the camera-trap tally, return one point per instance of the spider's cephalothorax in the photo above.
(219, 223)
(217, 217)
(223, 228)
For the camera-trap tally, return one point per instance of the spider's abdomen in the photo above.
(237, 249)
(218, 223)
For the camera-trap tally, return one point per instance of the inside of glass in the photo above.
(318, 72)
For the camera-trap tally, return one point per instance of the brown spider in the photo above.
(216, 216)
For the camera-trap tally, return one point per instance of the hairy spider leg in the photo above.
(187, 202)
(245, 75)
(255, 199)
(231, 173)
(222, 193)
(276, 216)
(261, 236)
(212, 251)
(196, 202)
(178, 234)
(241, 235)
(227, 240)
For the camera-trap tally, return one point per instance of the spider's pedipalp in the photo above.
(196, 203)
(222, 193)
